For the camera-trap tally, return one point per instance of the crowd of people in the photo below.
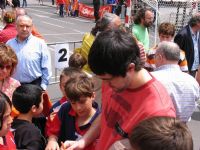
(147, 94)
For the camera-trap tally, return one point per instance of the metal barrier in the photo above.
(56, 72)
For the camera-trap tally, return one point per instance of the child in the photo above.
(76, 60)
(28, 100)
(61, 4)
(6, 137)
(75, 117)
(166, 32)
(75, 8)
(66, 74)
(161, 133)
(68, 7)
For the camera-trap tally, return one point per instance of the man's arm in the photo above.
(45, 66)
(91, 135)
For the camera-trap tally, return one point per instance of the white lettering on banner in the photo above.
(61, 55)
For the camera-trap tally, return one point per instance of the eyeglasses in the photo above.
(8, 67)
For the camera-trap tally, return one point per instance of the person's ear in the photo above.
(33, 108)
(44, 96)
(93, 96)
(131, 67)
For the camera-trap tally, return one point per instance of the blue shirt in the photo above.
(196, 50)
(34, 60)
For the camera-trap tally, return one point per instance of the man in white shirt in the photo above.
(182, 88)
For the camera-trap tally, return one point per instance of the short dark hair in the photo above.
(112, 52)
(25, 96)
(4, 100)
(161, 133)
(141, 15)
(194, 20)
(75, 88)
(76, 60)
(166, 28)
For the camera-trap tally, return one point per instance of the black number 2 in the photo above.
(63, 57)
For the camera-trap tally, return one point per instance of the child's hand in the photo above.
(52, 145)
(72, 145)
(52, 115)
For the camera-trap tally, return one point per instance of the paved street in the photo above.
(56, 29)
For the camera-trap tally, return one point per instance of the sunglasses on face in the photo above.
(8, 67)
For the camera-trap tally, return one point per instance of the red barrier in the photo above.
(88, 11)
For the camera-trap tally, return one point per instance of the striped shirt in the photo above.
(182, 88)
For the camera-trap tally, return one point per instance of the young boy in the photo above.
(166, 32)
(28, 100)
(67, 73)
(74, 117)
(76, 60)
(161, 133)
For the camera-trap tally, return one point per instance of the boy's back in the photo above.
(27, 135)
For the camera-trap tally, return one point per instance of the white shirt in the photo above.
(182, 88)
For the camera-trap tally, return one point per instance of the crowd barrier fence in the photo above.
(52, 47)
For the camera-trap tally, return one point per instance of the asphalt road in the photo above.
(56, 29)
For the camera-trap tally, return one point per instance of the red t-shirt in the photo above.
(10, 144)
(123, 111)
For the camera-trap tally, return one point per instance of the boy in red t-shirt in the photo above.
(76, 116)
(67, 73)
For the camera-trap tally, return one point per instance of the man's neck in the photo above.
(21, 39)
(139, 78)
(195, 29)
(142, 25)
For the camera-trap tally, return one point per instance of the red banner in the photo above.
(88, 11)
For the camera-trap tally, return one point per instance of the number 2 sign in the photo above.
(61, 55)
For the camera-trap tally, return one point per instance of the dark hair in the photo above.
(4, 100)
(141, 15)
(71, 72)
(96, 28)
(9, 17)
(166, 28)
(78, 87)
(161, 133)
(112, 52)
(194, 20)
(76, 60)
(25, 96)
